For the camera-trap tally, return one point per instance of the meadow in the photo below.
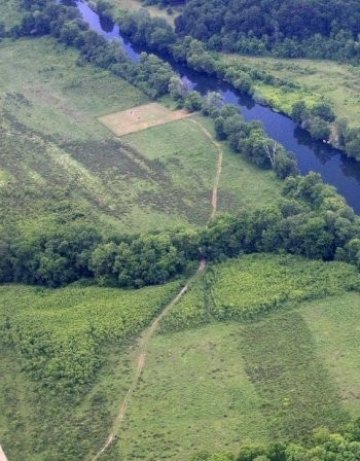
(56, 150)
(154, 11)
(216, 387)
(278, 373)
(64, 364)
(254, 285)
(9, 13)
(337, 83)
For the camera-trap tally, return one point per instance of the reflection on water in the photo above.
(333, 165)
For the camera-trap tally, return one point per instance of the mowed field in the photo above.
(215, 386)
(140, 118)
(338, 83)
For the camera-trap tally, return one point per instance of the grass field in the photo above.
(135, 5)
(216, 387)
(339, 83)
(63, 365)
(254, 285)
(56, 150)
(209, 387)
(9, 13)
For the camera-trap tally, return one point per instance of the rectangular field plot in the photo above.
(140, 118)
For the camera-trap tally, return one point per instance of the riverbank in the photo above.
(278, 83)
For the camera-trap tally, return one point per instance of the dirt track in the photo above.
(2, 455)
(220, 158)
(146, 336)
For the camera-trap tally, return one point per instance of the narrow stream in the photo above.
(332, 164)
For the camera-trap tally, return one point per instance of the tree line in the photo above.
(311, 220)
(321, 123)
(322, 445)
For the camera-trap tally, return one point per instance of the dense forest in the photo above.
(286, 28)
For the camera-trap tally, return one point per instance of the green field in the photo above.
(219, 386)
(289, 366)
(135, 5)
(254, 285)
(64, 365)
(338, 83)
(54, 150)
(9, 13)
(181, 146)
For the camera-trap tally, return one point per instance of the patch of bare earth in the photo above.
(140, 118)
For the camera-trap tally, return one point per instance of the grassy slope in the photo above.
(190, 158)
(339, 83)
(334, 325)
(215, 387)
(70, 332)
(253, 285)
(218, 386)
(54, 150)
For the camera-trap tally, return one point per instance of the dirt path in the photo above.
(2, 455)
(143, 345)
(220, 158)
(146, 336)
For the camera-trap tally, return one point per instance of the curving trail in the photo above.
(143, 344)
(146, 336)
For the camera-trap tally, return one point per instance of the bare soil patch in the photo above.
(140, 118)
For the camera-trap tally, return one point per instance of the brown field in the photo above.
(140, 118)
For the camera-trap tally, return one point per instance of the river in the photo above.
(333, 165)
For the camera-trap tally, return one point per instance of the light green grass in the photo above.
(217, 387)
(54, 150)
(242, 185)
(9, 13)
(194, 395)
(187, 157)
(154, 11)
(43, 88)
(253, 285)
(59, 349)
(334, 324)
(338, 83)
(190, 159)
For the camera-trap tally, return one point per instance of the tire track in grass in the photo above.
(147, 335)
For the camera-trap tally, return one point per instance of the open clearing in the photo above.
(56, 154)
(154, 11)
(214, 387)
(140, 118)
(79, 334)
(339, 83)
